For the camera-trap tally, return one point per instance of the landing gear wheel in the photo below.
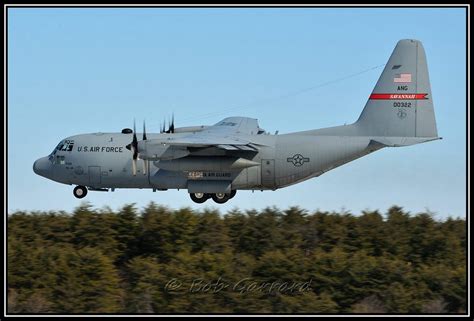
(232, 194)
(220, 198)
(199, 197)
(80, 191)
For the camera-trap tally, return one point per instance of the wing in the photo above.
(230, 134)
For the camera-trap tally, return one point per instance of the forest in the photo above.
(157, 260)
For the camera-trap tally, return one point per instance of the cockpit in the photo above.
(64, 145)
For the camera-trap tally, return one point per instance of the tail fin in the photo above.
(401, 104)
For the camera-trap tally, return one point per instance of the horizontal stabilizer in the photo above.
(402, 141)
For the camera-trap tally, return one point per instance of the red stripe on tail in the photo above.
(398, 96)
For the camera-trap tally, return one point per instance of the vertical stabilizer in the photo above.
(401, 104)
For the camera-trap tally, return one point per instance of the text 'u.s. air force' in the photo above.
(98, 149)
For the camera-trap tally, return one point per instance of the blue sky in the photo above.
(74, 71)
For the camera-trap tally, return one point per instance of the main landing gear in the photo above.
(219, 198)
(80, 191)
(199, 197)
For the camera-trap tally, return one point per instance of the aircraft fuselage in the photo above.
(101, 160)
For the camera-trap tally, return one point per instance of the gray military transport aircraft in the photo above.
(236, 154)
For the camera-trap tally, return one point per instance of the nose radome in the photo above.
(35, 166)
(41, 166)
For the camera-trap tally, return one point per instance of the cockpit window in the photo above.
(64, 146)
(51, 156)
(60, 145)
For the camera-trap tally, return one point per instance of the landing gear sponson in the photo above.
(219, 198)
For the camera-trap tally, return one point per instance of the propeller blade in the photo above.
(134, 149)
(145, 163)
(134, 142)
(145, 166)
(172, 124)
(134, 167)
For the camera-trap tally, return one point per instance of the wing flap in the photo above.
(248, 148)
(228, 147)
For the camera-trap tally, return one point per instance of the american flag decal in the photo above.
(402, 78)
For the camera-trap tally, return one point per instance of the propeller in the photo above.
(133, 147)
(171, 127)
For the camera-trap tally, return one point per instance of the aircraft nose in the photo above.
(41, 166)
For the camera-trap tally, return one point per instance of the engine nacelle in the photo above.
(150, 150)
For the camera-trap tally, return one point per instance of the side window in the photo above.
(60, 160)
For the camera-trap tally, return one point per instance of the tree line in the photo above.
(159, 260)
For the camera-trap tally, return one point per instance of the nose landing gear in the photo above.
(80, 191)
